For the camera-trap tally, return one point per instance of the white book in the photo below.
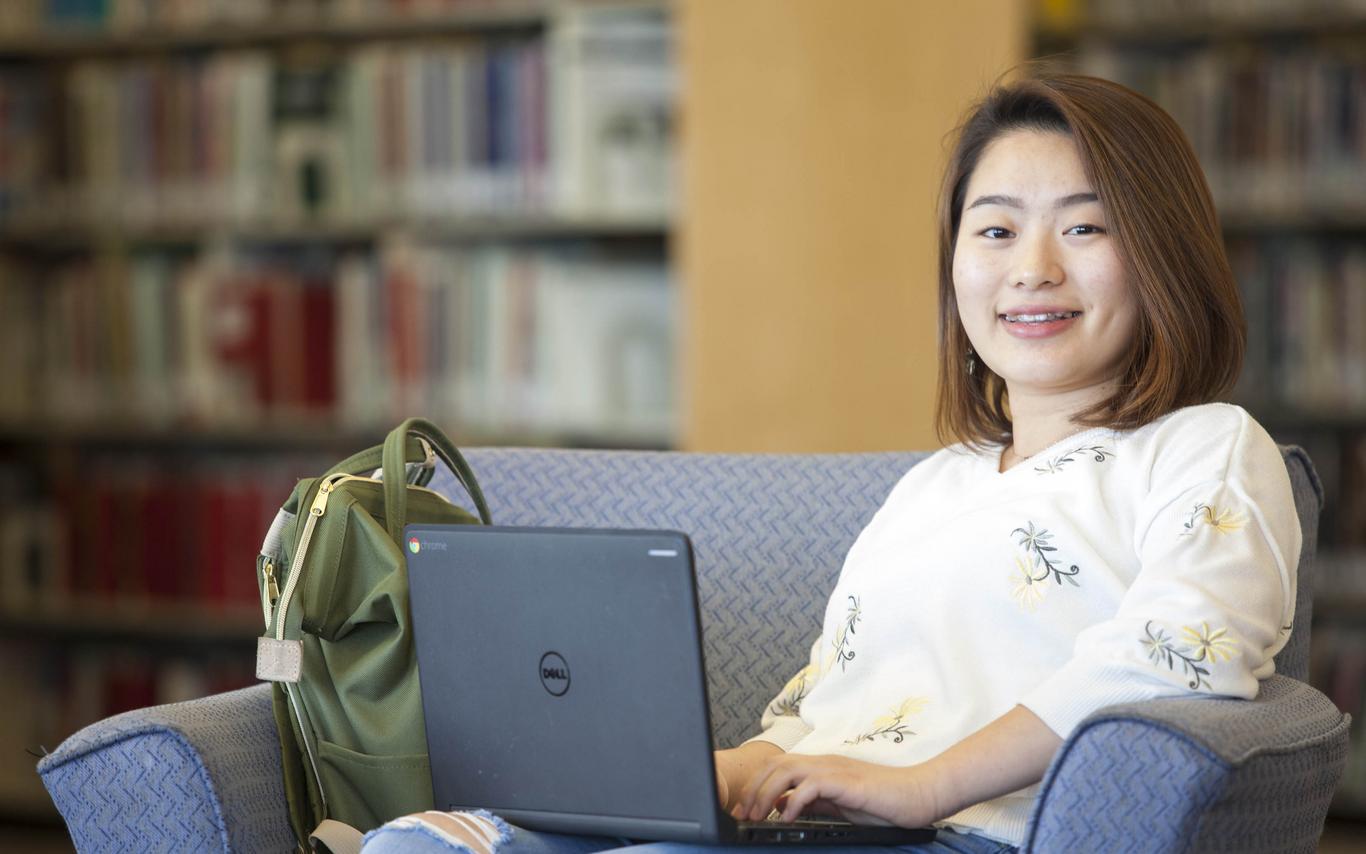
(608, 343)
(359, 385)
(149, 296)
(614, 88)
(251, 136)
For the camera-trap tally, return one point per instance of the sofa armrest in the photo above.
(1195, 774)
(202, 775)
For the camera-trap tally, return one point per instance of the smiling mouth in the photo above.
(1039, 318)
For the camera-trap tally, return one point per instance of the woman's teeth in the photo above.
(1039, 318)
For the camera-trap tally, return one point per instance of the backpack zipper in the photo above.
(270, 592)
(315, 512)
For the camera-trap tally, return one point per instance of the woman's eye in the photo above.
(995, 232)
(1088, 229)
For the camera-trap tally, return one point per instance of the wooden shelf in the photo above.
(321, 436)
(1294, 24)
(59, 236)
(490, 19)
(104, 620)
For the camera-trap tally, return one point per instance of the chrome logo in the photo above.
(413, 545)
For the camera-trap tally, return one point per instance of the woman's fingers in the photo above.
(790, 784)
(799, 798)
(768, 785)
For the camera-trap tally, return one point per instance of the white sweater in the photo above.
(1111, 567)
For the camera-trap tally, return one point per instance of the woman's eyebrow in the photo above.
(1015, 202)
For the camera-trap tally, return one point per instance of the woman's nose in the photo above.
(1036, 264)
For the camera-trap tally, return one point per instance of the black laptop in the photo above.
(563, 686)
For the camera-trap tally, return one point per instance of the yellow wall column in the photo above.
(813, 137)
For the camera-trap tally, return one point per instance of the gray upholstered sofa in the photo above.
(770, 534)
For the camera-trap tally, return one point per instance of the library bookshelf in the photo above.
(241, 240)
(1271, 97)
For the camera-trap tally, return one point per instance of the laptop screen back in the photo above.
(562, 678)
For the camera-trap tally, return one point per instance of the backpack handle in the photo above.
(366, 461)
(394, 458)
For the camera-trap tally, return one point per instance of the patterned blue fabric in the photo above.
(197, 776)
(1196, 773)
(1293, 660)
(770, 533)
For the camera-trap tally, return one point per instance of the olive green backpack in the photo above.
(339, 644)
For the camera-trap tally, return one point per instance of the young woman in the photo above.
(1102, 532)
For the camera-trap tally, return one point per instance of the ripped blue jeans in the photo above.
(411, 835)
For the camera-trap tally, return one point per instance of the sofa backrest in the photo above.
(769, 534)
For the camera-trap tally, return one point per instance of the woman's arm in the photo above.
(1007, 754)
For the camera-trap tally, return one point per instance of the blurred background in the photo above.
(240, 239)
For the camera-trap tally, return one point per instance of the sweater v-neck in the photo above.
(993, 457)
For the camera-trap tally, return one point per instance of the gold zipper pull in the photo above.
(320, 500)
(272, 587)
(270, 591)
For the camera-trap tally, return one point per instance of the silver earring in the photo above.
(972, 362)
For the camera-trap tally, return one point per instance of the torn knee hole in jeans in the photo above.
(480, 832)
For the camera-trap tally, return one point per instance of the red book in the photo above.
(101, 571)
(160, 554)
(130, 573)
(319, 356)
(283, 366)
(212, 532)
(242, 340)
(244, 532)
(130, 683)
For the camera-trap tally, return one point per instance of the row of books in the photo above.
(22, 168)
(1304, 301)
(33, 17)
(128, 530)
(578, 123)
(423, 131)
(66, 690)
(1277, 129)
(503, 339)
(1169, 13)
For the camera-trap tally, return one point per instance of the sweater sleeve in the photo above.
(782, 722)
(1218, 547)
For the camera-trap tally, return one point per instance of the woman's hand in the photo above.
(735, 766)
(1010, 752)
(858, 791)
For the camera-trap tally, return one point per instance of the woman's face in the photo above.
(1038, 280)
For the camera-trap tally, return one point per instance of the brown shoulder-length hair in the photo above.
(1188, 347)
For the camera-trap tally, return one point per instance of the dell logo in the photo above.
(554, 674)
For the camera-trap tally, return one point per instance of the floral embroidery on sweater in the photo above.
(1224, 521)
(1099, 453)
(843, 653)
(1036, 566)
(789, 702)
(1199, 646)
(893, 726)
(1029, 590)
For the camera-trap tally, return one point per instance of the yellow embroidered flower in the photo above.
(1029, 591)
(789, 702)
(1204, 644)
(798, 682)
(1224, 520)
(893, 726)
